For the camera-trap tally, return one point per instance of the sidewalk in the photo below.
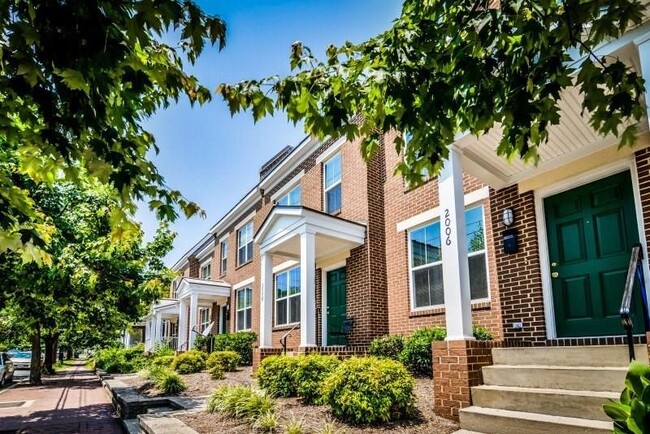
(73, 401)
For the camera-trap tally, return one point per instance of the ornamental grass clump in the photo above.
(169, 382)
(240, 402)
(369, 390)
(228, 360)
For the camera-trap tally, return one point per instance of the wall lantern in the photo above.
(508, 217)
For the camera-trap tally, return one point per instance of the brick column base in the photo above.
(456, 368)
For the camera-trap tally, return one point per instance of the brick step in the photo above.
(497, 421)
(609, 379)
(596, 355)
(554, 402)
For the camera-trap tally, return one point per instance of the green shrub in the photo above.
(275, 375)
(162, 361)
(201, 342)
(240, 342)
(309, 374)
(416, 354)
(216, 372)
(240, 402)
(369, 390)
(387, 346)
(229, 360)
(163, 350)
(631, 413)
(170, 382)
(482, 334)
(188, 363)
(121, 360)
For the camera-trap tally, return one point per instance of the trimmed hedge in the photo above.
(416, 355)
(240, 342)
(370, 390)
(189, 362)
(121, 360)
(389, 346)
(228, 360)
(162, 361)
(275, 375)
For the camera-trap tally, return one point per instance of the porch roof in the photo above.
(572, 140)
(280, 232)
(214, 290)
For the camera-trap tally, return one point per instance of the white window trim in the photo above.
(243, 283)
(411, 269)
(207, 324)
(202, 266)
(329, 152)
(237, 310)
(244, 221)
(432, 214)
(287, 297)
(288, 193)
(340, 182)
(285, 266)
(237, 232)
(290, 185)
(222, 270)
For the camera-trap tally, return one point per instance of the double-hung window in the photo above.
(204, 318)
(206, 270)
(224, 256)
(332, 185)
(245, 244)
(425, 262)
(287, 297)
(292, 198)
(244, 308)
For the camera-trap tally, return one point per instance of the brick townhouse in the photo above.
(337, 251)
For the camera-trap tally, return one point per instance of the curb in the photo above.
(14, 383)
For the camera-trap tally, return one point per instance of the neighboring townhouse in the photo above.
(334, 251)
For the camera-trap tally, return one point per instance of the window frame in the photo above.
(238, 309)
(250, 242)
(339, 182)
(204, 325)
(410, 267)
(287, 297)
(287, 196)
(206, 265)
(223, 260)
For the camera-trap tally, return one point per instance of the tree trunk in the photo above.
(69, 353)
(35, 368)
(51, 341)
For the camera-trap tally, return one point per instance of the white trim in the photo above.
(285, 266)
(243, 283)
(286, 297)
(293, 182)
(324, 271)
(333, 186)
(434, 213)
(206, 263)
(244, 221)
(627, 163)
(329, 152)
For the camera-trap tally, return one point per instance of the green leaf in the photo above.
(73, 79)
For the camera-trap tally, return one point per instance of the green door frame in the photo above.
(326, 341)
(540, 194)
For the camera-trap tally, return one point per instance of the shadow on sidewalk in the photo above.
(96, 418)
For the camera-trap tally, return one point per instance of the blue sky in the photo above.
(214, 159)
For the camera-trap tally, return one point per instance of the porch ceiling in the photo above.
(569, 141)
(281, 230)
(206, 290)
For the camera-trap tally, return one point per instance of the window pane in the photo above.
(294, 196)
(249, 317)
(421, 288)
(294, 281)
(474, 224)
(281, 285)
(434, 252)
(436, 285)
(242, 255)
(241, 317)
(294, 309)
(249, 251)
(281, 312)
(241, 298)
(478, 277)
(333, 198)
(333, 171)
(249, 297)
(418, 250)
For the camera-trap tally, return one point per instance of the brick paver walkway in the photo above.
(73, 401)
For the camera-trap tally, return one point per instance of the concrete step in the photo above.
(556, 377)
(596, 355)
(554, 402)
(496, 421)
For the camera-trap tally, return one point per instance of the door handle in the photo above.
(553, 264)
(555, 274)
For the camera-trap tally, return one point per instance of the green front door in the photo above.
(591, 231)
(336, 310)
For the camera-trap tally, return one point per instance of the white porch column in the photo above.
(266, 301)
(182, 324)
(158, 329)
(455, 267)
(643, 45)
(194, 312)
(307, 289)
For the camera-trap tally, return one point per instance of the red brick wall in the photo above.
(642, 158)
(520, 281)
(402, 203)
(194, 266)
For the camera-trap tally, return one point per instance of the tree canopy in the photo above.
(449, 67)
(78, 78)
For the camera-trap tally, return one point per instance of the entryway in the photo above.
(591, 230)
(336, 307)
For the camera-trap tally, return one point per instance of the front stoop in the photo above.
(548, 389)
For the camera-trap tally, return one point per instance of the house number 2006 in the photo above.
(447, 228)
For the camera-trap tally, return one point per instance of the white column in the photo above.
(308, 290)
(182, 324)
(194, 312)
(158, 329)
(455, 267)
(266, 301)
(643, 45)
